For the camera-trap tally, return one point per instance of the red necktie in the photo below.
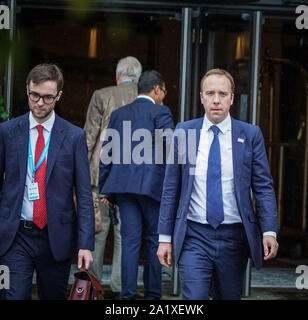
(39, 206)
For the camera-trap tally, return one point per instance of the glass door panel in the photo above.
(226, 44)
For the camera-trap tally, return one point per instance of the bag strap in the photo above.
(97, 286)
(95, 283)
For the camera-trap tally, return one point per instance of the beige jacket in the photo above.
(102, 104)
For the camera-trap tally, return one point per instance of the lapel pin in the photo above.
(240, 140)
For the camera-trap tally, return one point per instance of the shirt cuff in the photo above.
(164, 238)
(270, 233)
(167, 238)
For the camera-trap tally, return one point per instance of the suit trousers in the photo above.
(100, 243)
(213, 259)
(139, 220)
(31, 252)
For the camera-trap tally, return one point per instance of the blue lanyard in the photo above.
(41, 159)
(127, 80)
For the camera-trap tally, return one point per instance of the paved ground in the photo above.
(276, 281)
(266, 284)
(255, 294)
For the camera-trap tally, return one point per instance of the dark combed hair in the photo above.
(149, 80)
(46, 72)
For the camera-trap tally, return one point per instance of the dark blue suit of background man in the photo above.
(206, 207)
(40, 228)
(136, 184)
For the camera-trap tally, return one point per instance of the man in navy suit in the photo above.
(134, 180)
(43, 160)
(207, 221)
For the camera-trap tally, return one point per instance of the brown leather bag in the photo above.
(86, 287)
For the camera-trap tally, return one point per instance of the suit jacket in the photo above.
(67, 170)
(251, 172)
(102, 104)
(145, 178)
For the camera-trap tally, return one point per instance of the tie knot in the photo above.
(215, 130)
(39, 129)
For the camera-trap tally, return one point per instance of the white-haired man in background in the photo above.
(103, 102)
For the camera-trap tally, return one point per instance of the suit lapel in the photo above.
(198, 128)
(192, 166)
(22, 134)
(56, 139)
(238, 147)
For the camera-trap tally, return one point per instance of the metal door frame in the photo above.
(10, 65)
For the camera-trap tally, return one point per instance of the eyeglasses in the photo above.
(48, 99)
(163, 90)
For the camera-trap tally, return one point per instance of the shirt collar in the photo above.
(224, 125)
(146, 97)
(48, 124)
(127, 80)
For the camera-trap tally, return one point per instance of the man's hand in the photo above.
(270, 246)
(105, 201)
(164, 254)
(84, 258)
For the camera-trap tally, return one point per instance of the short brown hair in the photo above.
(220, 72)
(46, 72)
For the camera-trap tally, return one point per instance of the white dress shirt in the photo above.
(27, 205)
(197, 205)
(146, 97)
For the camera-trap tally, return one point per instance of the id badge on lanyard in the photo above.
(33, 190)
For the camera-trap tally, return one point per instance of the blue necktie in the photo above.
(214, 204)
